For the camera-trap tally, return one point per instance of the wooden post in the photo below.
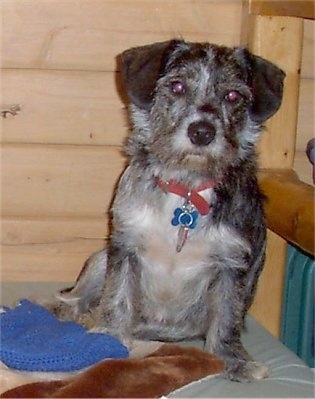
(278, 39)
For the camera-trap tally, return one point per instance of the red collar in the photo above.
(196, 199)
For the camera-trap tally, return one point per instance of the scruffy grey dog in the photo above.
(188, 231)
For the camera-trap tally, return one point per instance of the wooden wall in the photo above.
(305, 127)
(61, 155)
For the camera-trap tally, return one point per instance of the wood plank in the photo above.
(305, 123)
(293, 8)
(63, 107)
(279, 39)
(289, 207)
(40, 180)
(20, 231)
(61, 261)
(88, 34)
(307, 69)
(48, 249)
(59, 107)
(267, 304)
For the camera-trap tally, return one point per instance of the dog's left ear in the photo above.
(267, 88)
(141, 68)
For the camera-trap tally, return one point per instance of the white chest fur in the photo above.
(170, 278)
(166, 272)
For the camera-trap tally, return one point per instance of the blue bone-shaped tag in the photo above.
(185, 218)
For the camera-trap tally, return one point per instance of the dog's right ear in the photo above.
(141, 68)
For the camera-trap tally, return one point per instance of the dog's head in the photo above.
(198, 106)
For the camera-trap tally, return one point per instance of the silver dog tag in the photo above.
(186, 218)
(182, 237)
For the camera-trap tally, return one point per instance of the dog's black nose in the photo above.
(201, 133)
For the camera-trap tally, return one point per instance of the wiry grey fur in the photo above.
(196, 111)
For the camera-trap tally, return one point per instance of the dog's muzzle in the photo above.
(201, 133)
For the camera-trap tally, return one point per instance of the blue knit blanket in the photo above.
(33, 339)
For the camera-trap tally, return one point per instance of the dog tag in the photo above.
(186, 218)
(182, 237)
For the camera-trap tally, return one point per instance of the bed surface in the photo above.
(289, 376)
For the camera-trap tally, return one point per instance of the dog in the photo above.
(188, 235)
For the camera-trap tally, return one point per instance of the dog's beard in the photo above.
(200, 162)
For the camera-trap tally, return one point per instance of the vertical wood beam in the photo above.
(279, 39)
(267, 305)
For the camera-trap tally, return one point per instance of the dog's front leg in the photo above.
(119, 299)
(224, 335)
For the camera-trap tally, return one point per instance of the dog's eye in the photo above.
(178, 87)
(233, 97)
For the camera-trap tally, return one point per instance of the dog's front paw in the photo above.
(245, 371)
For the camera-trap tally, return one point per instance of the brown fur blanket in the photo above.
(168, 368)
